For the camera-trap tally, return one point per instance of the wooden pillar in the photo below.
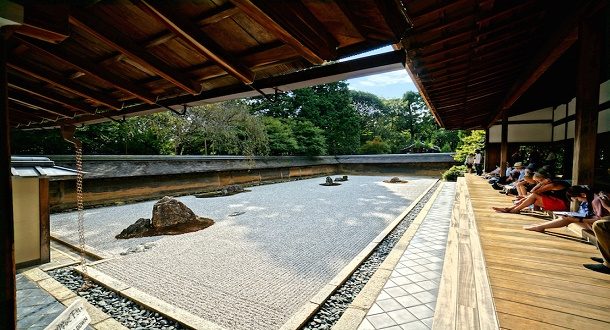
(504, 145)
(486, 161)
(587, 100)
(8, 308)
(45, 228)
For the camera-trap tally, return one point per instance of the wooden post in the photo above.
(8, 307)
(587, 100)
(487, 162)
(504, 145)
(44, 215)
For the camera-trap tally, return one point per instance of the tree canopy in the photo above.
(319, 120)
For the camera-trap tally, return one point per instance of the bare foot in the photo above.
(501, 209)
(534, 228)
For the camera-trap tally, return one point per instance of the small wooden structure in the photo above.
(30, 185)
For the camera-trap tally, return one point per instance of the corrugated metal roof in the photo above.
(39, 167)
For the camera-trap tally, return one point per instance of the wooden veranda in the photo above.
(536, 280)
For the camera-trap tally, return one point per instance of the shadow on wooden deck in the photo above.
(537, 280)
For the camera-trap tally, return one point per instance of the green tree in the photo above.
(375, 146)
(280, 136)
(310, 139)
(471, 141)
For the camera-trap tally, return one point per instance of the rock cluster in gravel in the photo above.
(138, 248)
(332, 309)
(120, 308)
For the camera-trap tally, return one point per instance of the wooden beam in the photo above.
(91, 69)
(212, 16)
(45, 21)
(63, 83)
(304, 41)
(8, 285)
(30, 102)
(195, 38)
(109, 36)
(590, 53)
(352, 19)
(454, 5)
(561, 37)
(32, 111)
(420, 87)
(18, 84)
(396, 19)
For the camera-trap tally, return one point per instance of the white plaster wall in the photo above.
(572, 107)
(495, 134)
(603, 121)
(604, 92)
(559, 132)
(543, 114)
(530, 133)
(560, 112)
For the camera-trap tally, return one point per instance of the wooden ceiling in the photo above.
(72, 64)
(474, 59)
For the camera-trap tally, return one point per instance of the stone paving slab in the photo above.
(408, 298)
(255, 270)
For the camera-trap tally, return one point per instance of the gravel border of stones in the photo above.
(331, 309)
(125, 311)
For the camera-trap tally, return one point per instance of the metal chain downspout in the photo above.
(67, 133)
(81, 212)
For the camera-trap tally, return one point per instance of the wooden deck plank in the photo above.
(448, 288)
(509, 321)
(549, 316)
(465, 300)
(586, 310)
(537, 280)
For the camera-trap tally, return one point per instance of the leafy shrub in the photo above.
(454, 172)
(375, 146)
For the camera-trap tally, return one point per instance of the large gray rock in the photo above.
(170, 211)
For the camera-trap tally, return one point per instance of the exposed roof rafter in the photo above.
(193, 35)
(63, 83)
(90, 69)
(112, 38)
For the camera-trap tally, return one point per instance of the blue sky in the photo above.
(388, 85)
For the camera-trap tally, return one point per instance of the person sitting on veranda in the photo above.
(601, 228)
(548, 194)
(590, 207)
(516, 174)
(526, 185)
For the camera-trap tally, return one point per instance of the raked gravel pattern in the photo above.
(255, 270)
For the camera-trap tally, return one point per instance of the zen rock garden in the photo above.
(170, 217)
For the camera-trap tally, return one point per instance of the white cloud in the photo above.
(383, 79)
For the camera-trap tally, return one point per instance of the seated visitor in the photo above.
(590, 210)
(548, 194)
(513, 174)
(601, 228)
(526, 185)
